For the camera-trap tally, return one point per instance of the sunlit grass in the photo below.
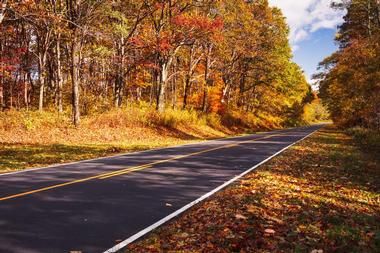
(15, 157)
(34, 139)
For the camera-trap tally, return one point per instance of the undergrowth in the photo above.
(30, 138)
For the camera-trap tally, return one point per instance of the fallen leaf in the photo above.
(184, 235)
(240, 217)
(269, 231)
(281, 222)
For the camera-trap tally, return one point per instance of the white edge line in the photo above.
(200, 141)
(145, 231)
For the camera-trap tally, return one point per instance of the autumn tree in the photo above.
(207, 55)
(126, 17)
(80, 15)
(349, 80)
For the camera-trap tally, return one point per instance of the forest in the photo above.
(350, 78)
(79, 57)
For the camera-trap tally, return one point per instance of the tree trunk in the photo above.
(41, 95)
(378, 11)
(41, 80)
(75, 80)
(206, 78)
(26, 102)
(118, 91)
(119, 81)
(162, 87)
(369, 25)
(188, 77)
(2, 82)
(174, 87)
(226, 93)
(7, 96)
(193, 63)
(186, 91)
(205, 99)
(1, 93)
(241, 97)
(59, 75)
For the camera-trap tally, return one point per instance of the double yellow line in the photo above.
(129, 170)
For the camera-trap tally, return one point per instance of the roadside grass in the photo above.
(321, 195)
(367, 138)
(14, 157)
(33, 139)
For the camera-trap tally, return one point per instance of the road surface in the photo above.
(92, 205)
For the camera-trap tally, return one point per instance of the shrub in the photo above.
(126, 123)
(214, 120)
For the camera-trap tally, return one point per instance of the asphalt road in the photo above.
(91, 205)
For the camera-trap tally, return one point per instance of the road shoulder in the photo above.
(322, 194)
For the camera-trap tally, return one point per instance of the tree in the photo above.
(80, 14)
(349, 79)
(213, 56)
(126, 18)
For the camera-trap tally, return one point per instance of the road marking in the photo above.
(126, 171)
(139, 152)
(145, 231)
(129, 170)
(48, 188)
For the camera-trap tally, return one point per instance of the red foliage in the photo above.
(198, 23)
(164, 44)
(9, 63)
(136, 41)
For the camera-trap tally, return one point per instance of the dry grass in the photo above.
(31, 139)
(128, 125)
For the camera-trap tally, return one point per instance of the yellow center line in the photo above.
(128, 170)
(47, 188)
(125, 171)
(142, 167)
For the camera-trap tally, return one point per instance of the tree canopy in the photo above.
(350, 78)
(208, 55)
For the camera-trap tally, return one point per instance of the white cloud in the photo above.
(300, 35)
(295, 48)
(307, 16)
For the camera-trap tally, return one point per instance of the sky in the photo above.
(313, 25)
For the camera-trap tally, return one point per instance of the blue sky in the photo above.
(313, 26)
(314, 49)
